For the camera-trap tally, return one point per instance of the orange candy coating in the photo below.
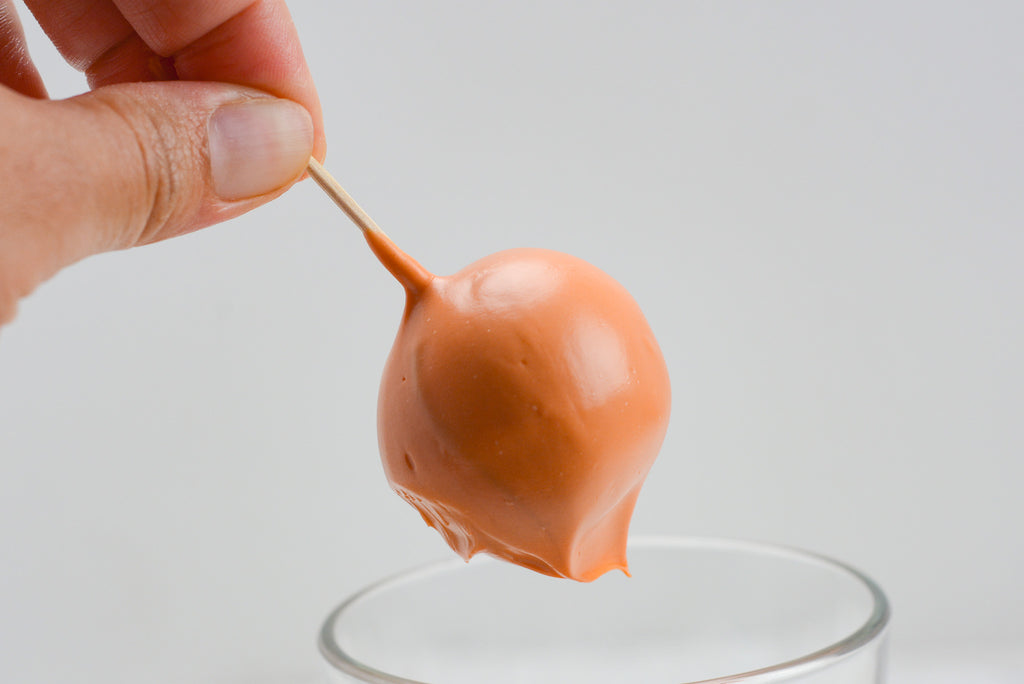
(522, 405)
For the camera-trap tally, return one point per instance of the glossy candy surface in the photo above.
(523, 403)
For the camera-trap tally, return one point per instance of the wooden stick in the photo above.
(344, 200)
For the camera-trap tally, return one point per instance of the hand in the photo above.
(199, 111)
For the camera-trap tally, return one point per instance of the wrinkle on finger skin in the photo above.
(157, 162)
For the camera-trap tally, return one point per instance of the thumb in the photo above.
(131, 164)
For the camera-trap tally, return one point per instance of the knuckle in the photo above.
(155, 161)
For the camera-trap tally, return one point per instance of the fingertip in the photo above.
(319, 135)
(320, 149)
(306, 94)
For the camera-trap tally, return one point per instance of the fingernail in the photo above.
(258, 146)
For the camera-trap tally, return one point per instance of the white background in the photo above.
(818, 205)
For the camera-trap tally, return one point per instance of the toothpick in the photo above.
(337, 193)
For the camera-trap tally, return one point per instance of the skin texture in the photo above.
(522, 405)
(127, 163)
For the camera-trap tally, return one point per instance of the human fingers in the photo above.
(132, 164)
(258, 47)
(248, 42)
(16, 68)
(81, 30)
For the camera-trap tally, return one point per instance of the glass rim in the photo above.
(872, 628)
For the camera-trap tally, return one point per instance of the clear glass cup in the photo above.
(694, 610)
